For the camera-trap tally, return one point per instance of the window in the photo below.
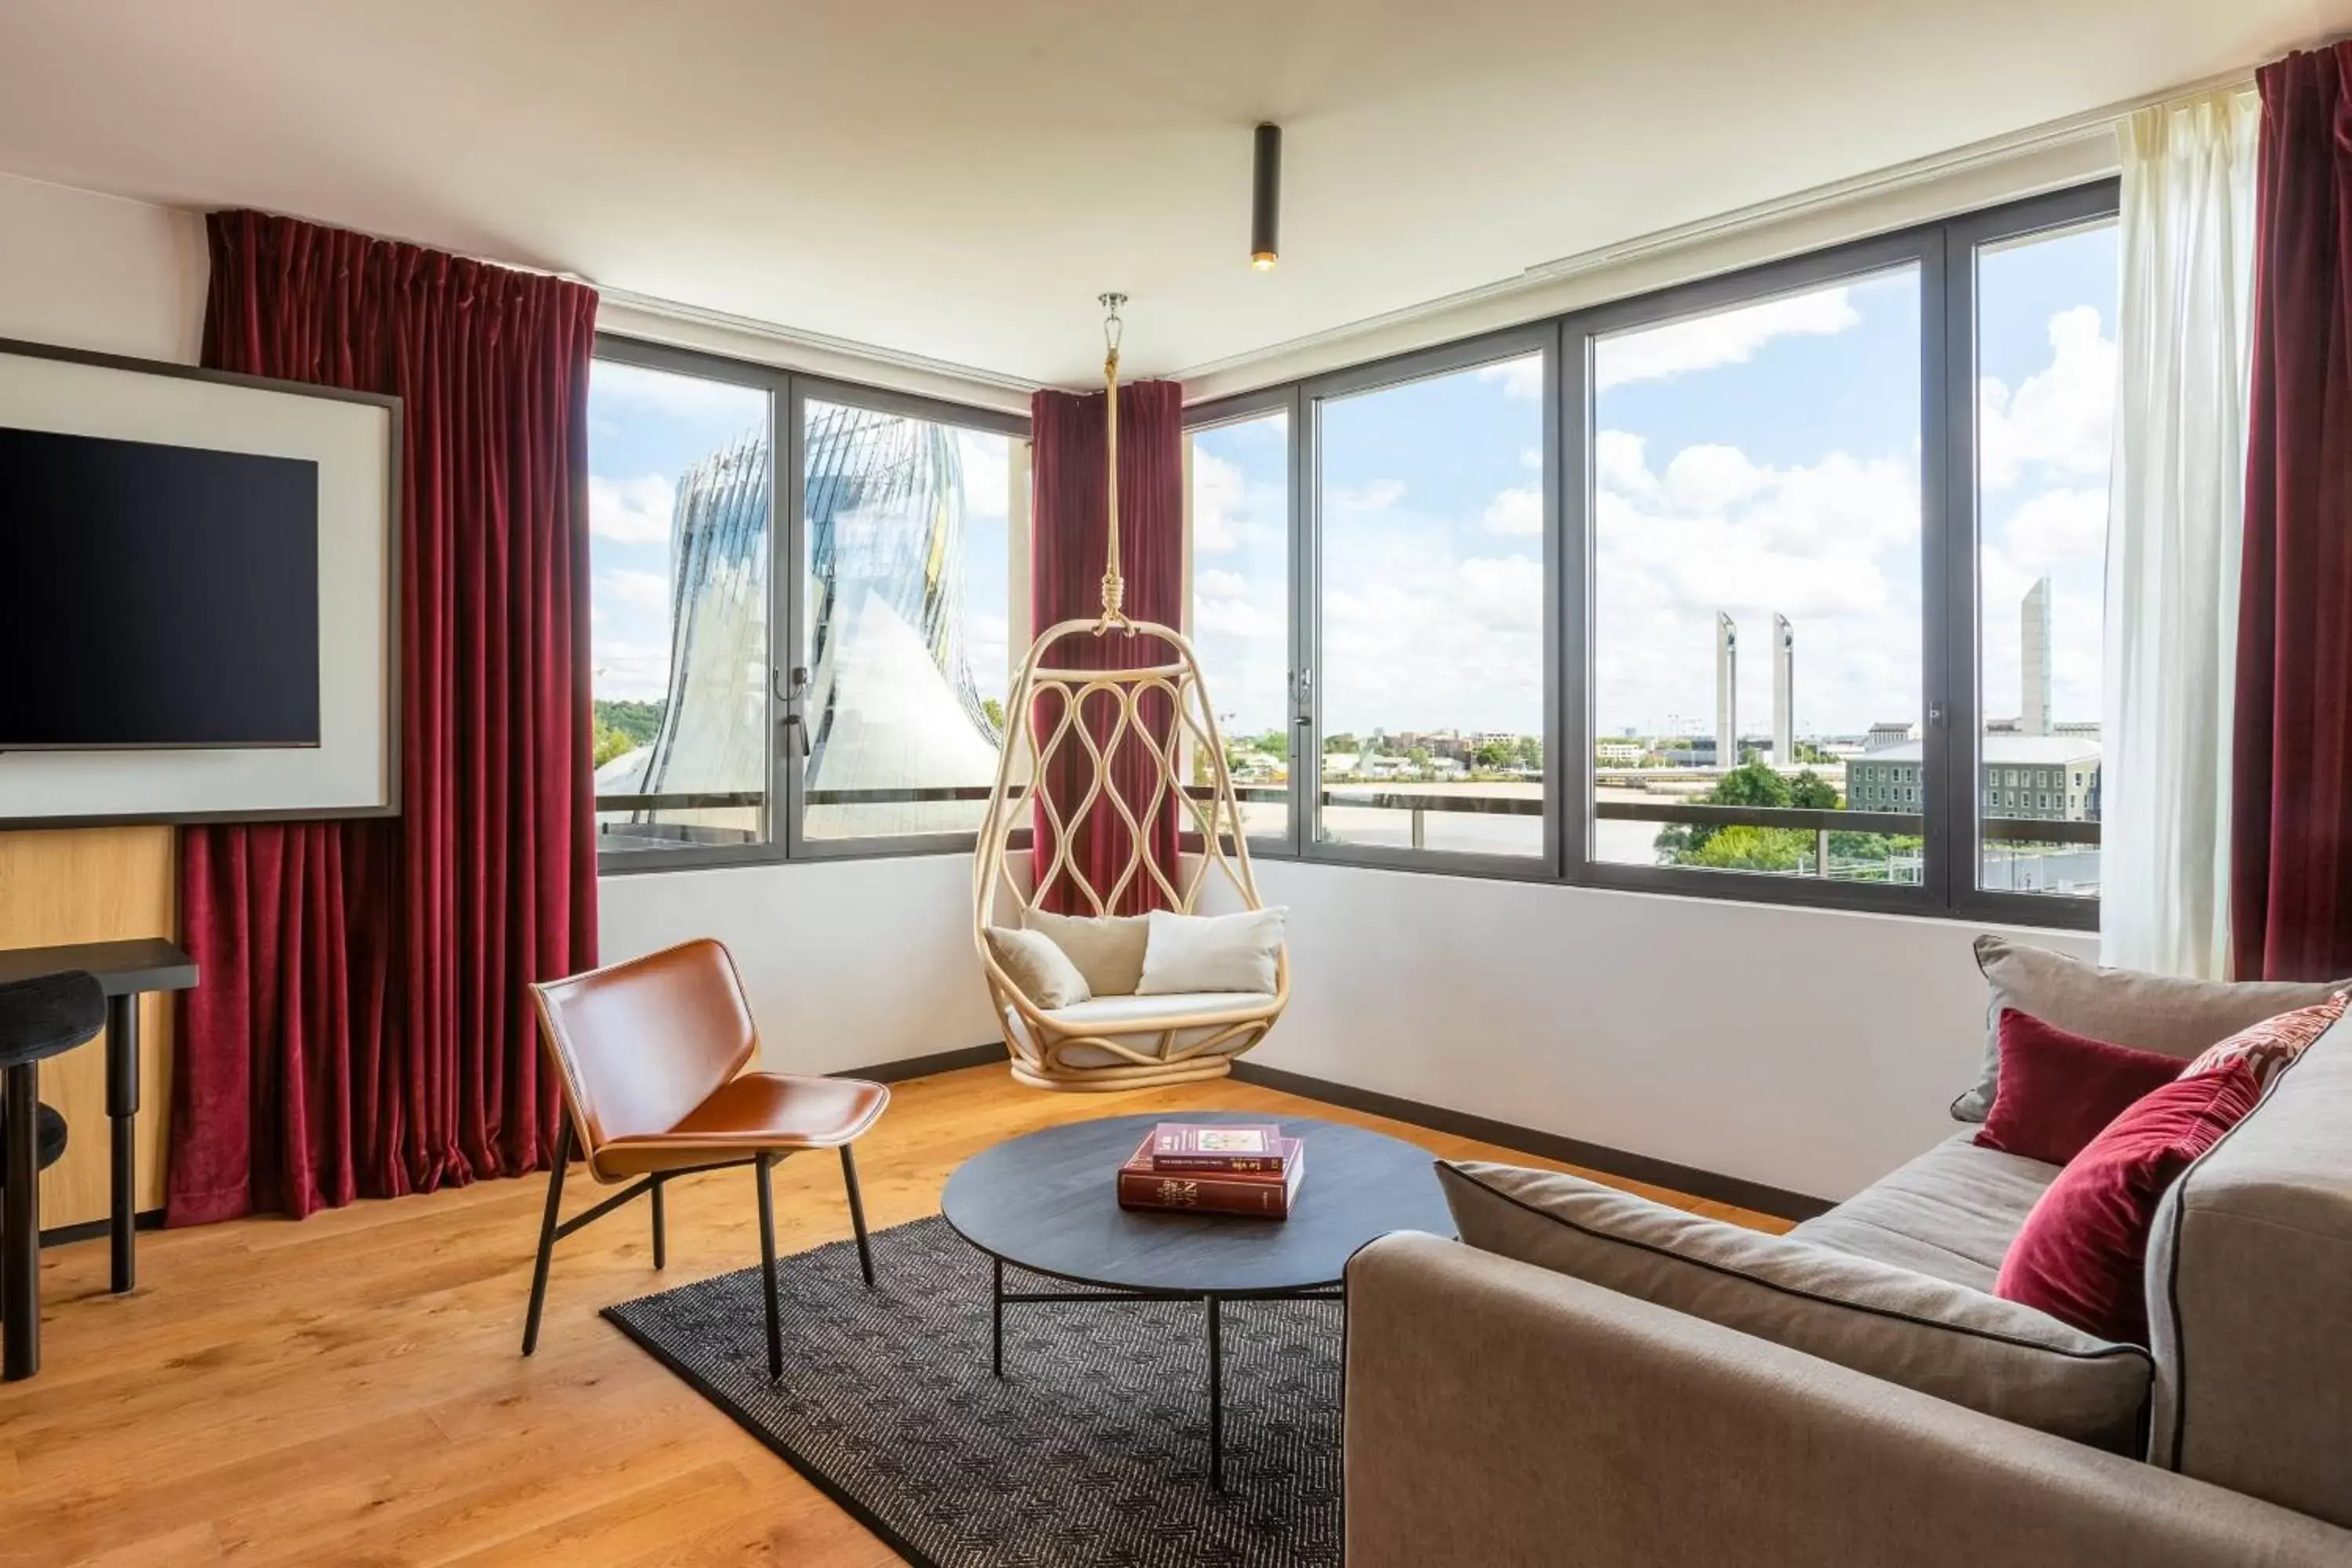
(906, 588)
(1430, 692)
(1755, 529)
(1237, 500)
(768, 682)
(1780, 586)
(2045, 353)
(681, 501)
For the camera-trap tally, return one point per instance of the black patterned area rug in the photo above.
(1093, 1449)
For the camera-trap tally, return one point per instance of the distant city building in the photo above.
(2046, 777)
(1889, 733)
(1619, 753)
(1784, 691)
(2081, 729)
(2033, 660)
(1727, 691)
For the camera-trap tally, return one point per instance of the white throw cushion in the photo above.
(1040, 971)
(1107, 948)
(1210, 952)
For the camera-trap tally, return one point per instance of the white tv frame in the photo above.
(355, 439)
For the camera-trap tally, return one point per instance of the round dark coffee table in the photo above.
(1047, 1203)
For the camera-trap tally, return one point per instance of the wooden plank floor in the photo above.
(347, 1390)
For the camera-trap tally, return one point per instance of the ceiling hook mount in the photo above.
(1114, 330)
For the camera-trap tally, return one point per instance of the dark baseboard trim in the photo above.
(91, 1229)
(921, 1066)
(1688, 1179)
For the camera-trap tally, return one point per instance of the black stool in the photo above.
(38, 1018)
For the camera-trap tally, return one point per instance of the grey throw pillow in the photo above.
(2122, 1007)
(1947, 1339)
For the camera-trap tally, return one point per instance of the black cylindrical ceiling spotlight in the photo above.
(1266, 198)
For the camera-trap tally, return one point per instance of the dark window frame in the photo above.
(785, 840)
(1944, 254)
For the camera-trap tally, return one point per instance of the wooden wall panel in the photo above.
(96, 884)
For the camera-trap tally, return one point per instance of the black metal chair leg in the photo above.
(661, 1230)
(562, 1157)
(857, 1213)
(20, 1269)
(768, 1265)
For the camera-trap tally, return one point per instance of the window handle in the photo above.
(795, 735)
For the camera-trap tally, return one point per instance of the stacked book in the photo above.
(1215, 1168)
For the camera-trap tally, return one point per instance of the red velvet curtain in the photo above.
(361, 1029)
(1068, 492)
(2291, 854)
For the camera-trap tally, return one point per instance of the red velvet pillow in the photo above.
(2080, 1255)
(2057, 1088)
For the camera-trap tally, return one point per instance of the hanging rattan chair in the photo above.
(1055, 716)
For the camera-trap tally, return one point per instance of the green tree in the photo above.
(638, 721)
(1745, 848)
(1811, 792)
(995, 712)
(608, 744)
(1342, 741)
(1275, 744)
(1493, 754)
(1418, 756)
(1529, 751)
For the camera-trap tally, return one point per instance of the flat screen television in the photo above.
(155, 597)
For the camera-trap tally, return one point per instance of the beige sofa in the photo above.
(1498, 1412)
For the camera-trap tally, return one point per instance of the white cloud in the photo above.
(611, 384)
(1531, 457)
(1725, 337)
(1517, 510)
(1618, 464)
(631, 511)
(1219, 494)
(1521, 378)
(1378, 495)
(2058, 526)
(1221, 585)
(633, 591)
(2060, 417)
(1229, 617)
(627, 670)
(987, 459)
(1710, 477)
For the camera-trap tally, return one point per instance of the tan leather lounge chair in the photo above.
(652, 1053)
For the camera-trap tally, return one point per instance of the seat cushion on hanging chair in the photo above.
(1037, 968)
(1107, 949)
(1212, 953)
(1114, 1014)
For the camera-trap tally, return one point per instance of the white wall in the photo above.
(1812, 1050)
(848, 962)
(88, 271)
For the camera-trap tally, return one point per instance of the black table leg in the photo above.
(122, 1111)
(997, 1293)
(20, 1227)
(1216, 1395)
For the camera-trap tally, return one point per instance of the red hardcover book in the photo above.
(1215, 1147)
(1262, 1195)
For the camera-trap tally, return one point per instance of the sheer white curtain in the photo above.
(2176, 521)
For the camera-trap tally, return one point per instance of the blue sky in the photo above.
(1759, 460)
(647, 428)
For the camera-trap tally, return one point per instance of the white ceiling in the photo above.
(958, 179)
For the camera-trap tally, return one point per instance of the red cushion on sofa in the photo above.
(2080, 1255)
(2057, 1088)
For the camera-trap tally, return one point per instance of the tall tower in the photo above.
(1784, 691)
(1727, 691)
(2034, 661)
